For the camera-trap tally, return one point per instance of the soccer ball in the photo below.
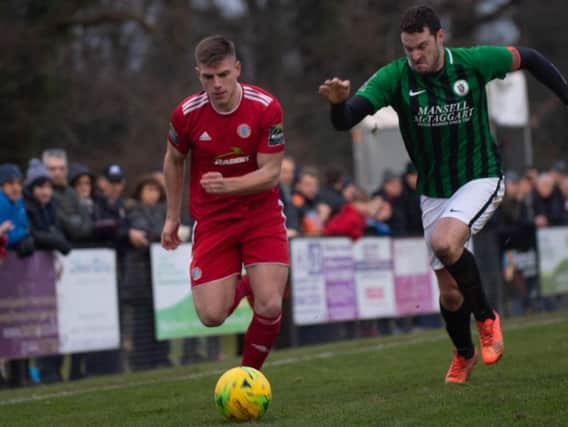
(243, 393)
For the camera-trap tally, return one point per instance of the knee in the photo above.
(451, 300)
(212, 318)
(445, 249)
(268, 308)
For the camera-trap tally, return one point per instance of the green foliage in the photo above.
(87, 75)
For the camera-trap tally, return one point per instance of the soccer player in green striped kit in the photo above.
(439, 95)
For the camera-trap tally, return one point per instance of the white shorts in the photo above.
(473, 204)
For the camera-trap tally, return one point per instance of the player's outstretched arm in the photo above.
(542, 69)
(174, 170)
(345, 113)
(262, 179)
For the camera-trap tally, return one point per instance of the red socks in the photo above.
(243, 289)
(259, 339)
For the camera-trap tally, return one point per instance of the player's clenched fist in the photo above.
(213, 183)
(335, 90)
(169, 238)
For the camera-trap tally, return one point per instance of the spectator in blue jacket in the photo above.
(12, 210)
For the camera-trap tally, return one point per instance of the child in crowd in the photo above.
(44, 226)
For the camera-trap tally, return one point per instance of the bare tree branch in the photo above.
(104, 18)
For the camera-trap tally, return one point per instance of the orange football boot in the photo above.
(491, 339)
(460, 368)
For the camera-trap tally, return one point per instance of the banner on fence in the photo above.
(87, 301)
(334, 279)
(374, 278)
(553, 260)
(28, 307)
(52, 304)
(414, 289)
(322, 280)
(175, 315)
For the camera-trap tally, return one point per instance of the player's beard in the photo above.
(436, 63)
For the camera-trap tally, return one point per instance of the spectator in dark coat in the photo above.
(147, 217)
(44, 226)
(564, 191)
(285, 185)
(513, 212)
(411, 202)
(558, 171)
(331, 192)
(82, 180)
(547, 203)
(391, 192)
(73, 217)
(48, 236)
(109, 211)
(313, 213)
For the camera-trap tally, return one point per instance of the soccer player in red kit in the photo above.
(235, 136)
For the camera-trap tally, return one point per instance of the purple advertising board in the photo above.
(412, 277)
(28, 307)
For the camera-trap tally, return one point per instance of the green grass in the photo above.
(373, 382)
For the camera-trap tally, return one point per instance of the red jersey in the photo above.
(227, 143)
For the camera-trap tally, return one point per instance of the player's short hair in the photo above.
(214, 49)
(415, 18)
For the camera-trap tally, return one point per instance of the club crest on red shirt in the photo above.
(243, 130)
(196, 273)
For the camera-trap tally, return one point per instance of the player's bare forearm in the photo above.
(262, 179)
(174, 171)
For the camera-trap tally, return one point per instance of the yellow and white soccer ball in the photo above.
(242, 394)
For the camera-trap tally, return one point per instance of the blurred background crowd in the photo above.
(60, 205)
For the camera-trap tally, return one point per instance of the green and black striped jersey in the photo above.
(443, 116)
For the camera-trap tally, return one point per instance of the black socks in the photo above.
(466, 274)
(458, 325)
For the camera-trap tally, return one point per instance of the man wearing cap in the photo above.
(110, 209)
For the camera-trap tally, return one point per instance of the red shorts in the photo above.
(221, 248)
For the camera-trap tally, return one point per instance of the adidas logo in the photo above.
(204, 136)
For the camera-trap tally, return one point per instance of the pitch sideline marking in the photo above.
(279, 362)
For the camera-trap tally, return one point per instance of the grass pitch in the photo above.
(395, 381)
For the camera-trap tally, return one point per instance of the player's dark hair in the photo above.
(414, 20)
(214, 49)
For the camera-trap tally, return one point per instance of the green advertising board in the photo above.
(174, 313)
(553, 260)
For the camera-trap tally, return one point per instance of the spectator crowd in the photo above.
(57, 206)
